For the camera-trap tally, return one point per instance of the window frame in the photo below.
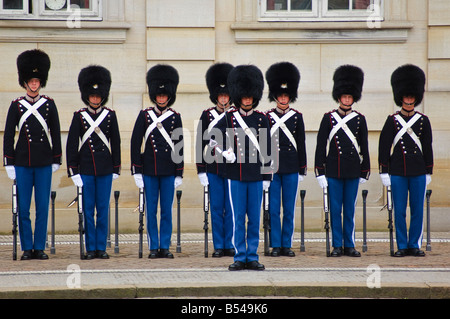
(320, 13)
(40, 13)
(14, 13)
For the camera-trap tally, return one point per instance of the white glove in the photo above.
(11, 171)
(322, 180)
(77, 180)
(178, 181)
(428, 178)
(266, 185)
(300, 178)
(203, 179)
(362, 180)
(139, 180)
(115, 176)
(229, 156)
(385, 179)
(55, 167)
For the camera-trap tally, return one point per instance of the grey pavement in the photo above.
(310, 274)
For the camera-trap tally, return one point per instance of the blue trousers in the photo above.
(245, 200)
(159, 188)
(41, 179)
(96, 196)
(282, 191)
(221, 219)
(343, 193)
(416, 186)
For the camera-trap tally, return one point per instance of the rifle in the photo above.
(178, 223)
(326, 202)
(141, 219)
(266, 223)
(15, 206)
(205, 222)
(116, 240)
(428, 220)
(364, 196)
(390, 225)
(302, 242)
(52, 248)
(81, 229)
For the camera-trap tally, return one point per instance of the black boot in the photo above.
(352, 252)
(337, 252)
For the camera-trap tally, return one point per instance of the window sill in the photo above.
(321, 32)
(60, 32)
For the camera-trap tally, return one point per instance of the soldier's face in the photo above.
(162, 100)
(95, 100)
(34, 85)
(223, 99)
(409, 103)
(283, 101)
(346, 101)
(247, 103)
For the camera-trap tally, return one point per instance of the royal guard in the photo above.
(288, 153)
(37, 154)
(347, 163)
(93, 155)
(246, 131)
(159, 169)
(408, 167)
(211, 164)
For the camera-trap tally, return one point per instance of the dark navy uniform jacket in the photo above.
(158, 158)
(343, 160)
(94, 157)
(288, 158)
(250, 165)
(33, 147)
(406, 158)
(208, 160)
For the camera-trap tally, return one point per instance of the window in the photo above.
(320, 10)
(51, 9)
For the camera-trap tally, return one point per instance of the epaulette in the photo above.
(47, 97)
(175, 112)
(19, 99)
(81, 110)
(270, 111)
(107, 108)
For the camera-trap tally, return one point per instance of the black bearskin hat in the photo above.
(94, 80)
(408, 80)
(216, 80)
(163, 79)
(33, 64)
(283, 77)
(348, 79)
(246, 81)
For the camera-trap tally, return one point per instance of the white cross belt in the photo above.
(33, 110)
(280, 123)
(407, 128)
(95, 127)
(157, 123)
